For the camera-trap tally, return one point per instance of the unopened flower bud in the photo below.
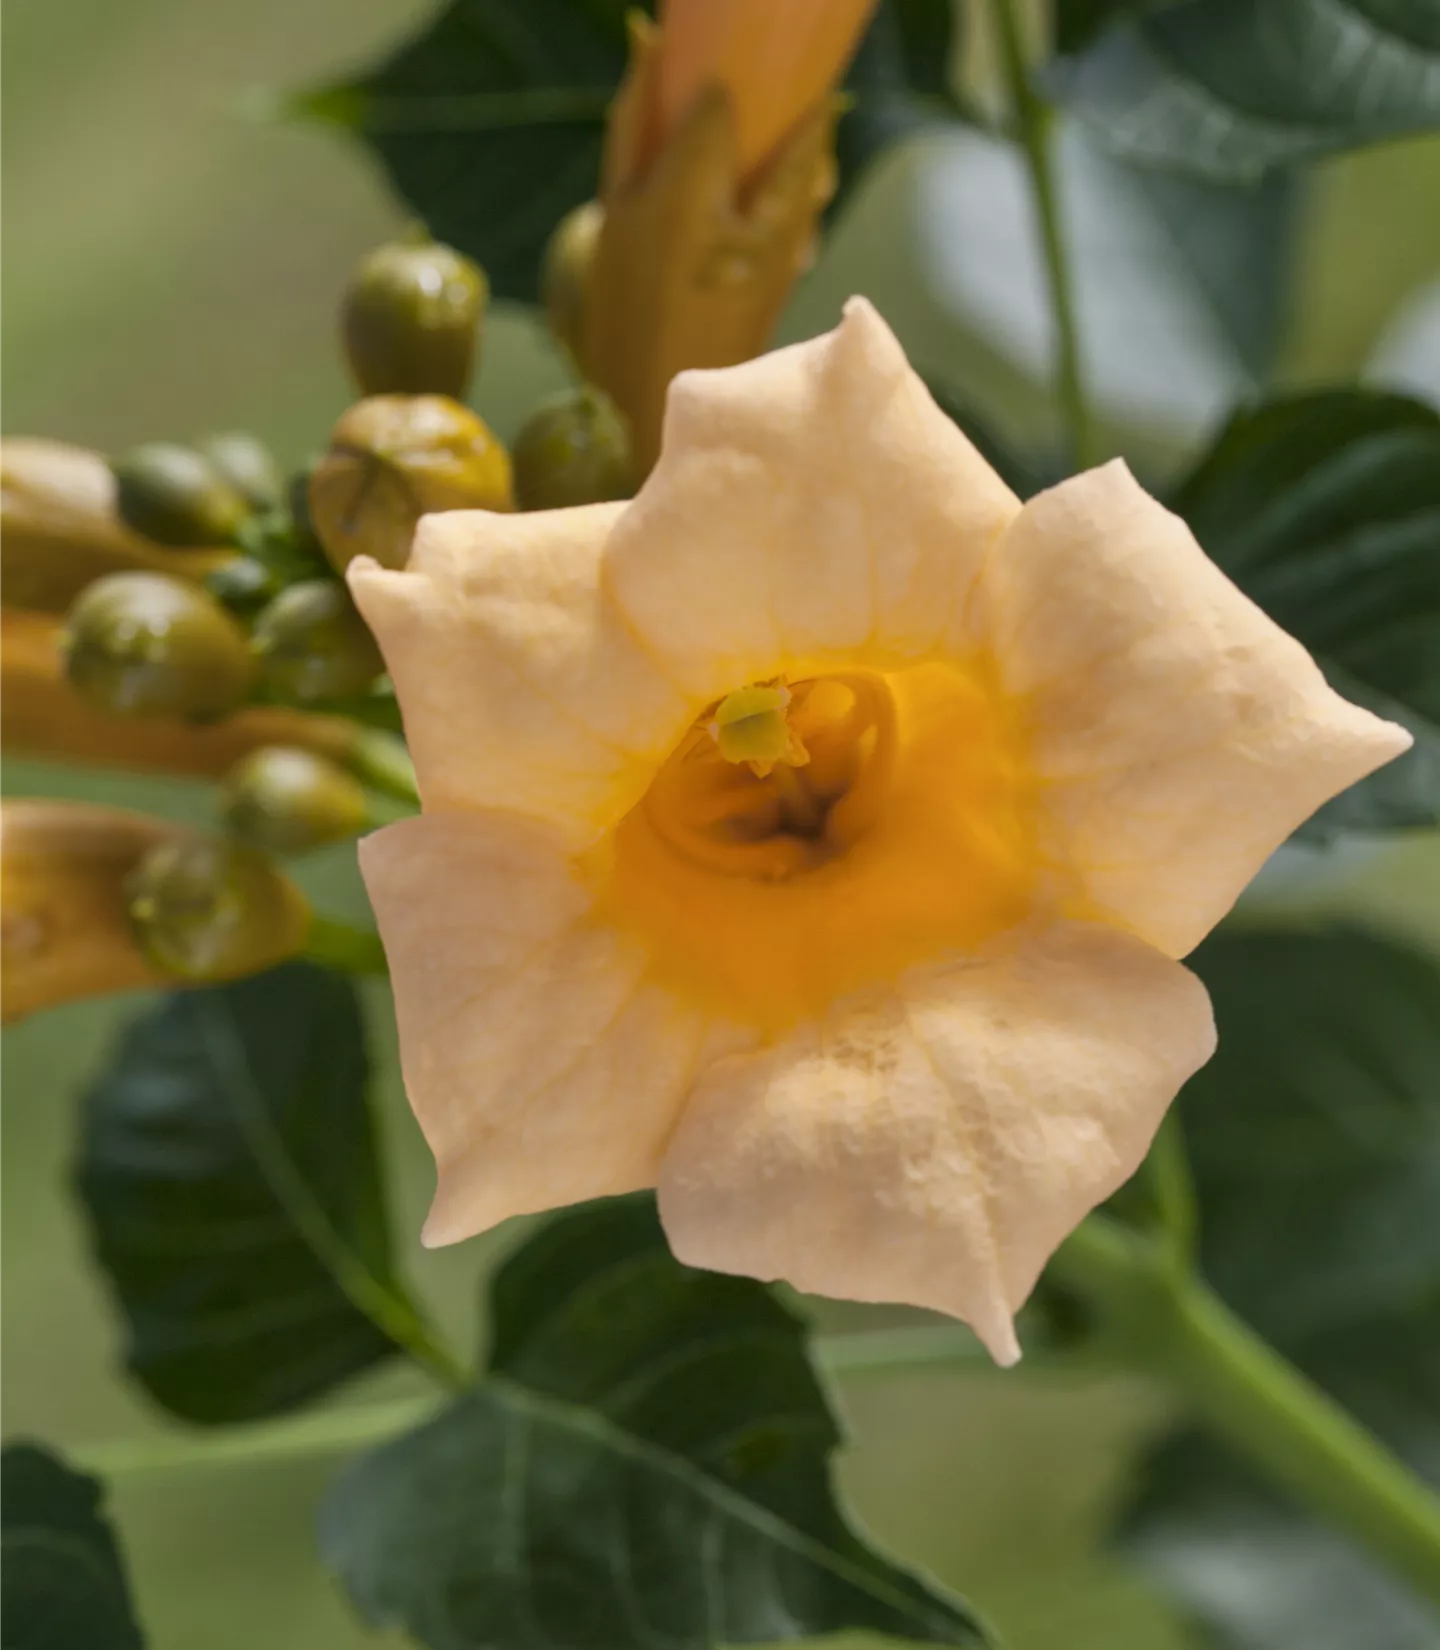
(287, 801)
(175, 495)
(247, 464)
(64, 925)
(574, 450)
(146, 644)
(569, 256)
(59, 530)
(313, 646)
(206, 908)
(411, 319)
(393, 459)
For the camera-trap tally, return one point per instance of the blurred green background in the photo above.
(172, 264)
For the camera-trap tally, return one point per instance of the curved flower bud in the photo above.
(565, 274)
(64, 920)
(247, 464)
(42, 715)
(287, 801)
(205, 908)
(175, 495)
(312, 644)
(393, 459)
(145, 644)
(816, 836)
(575, 449)
(60, 531)
(411, 319)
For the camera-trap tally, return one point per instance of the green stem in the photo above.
(380, 760)
(381, 1299)
(1173, 1325)
(338, 1431)
(347, 950)
(1034, 120)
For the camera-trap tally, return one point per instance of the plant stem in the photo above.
(1034, 121)
(295, 1438)
(1174, 1326)
(338, 1431)
(347, 950)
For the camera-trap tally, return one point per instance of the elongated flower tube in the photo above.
(815, 836)
(719, 157)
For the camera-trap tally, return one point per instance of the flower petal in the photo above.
(520, 685)
(1179, 734)
(806, 505)
(935, 1143)
(543, 1065)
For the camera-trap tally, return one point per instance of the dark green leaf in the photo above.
(1314, 1139)
(227, 1149)
(1314, 1132)
(1231, 88)
(489, 121)
(899, 83)
(60, 1567)
(646, 1464)
(1077, 22)
(1325, 508)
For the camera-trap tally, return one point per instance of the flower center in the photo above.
(811, 837)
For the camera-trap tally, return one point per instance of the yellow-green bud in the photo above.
(146, 644)
(313, 646)
(393, 459)
(411, 320)
(175, 495)
(574, 450)
(569, 257)
(287, 800)
(206, 908)
(246, 463)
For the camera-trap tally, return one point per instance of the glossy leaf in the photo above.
(489, 119)
(1077, 22)
(1325, 508)
(61, 1573)
(227, 1149)
(647, 1463)
(1230, 89)
(1181, 285)
(1314, 1139)
(1314, 1132)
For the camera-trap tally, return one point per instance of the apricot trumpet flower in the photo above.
(815, 836)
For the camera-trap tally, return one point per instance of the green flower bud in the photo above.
(393, 459)
(287, 800)
(411, 319)
(313, 646)
(574, 450)
(175, 495)
(246, 463)
(146, 644)
(569, 256)
(204, 908)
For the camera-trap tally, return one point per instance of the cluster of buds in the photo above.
(184, 607)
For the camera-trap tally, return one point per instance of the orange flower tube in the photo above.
(719, 158)
(775, 60)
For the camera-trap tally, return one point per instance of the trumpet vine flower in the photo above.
(816, 836)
